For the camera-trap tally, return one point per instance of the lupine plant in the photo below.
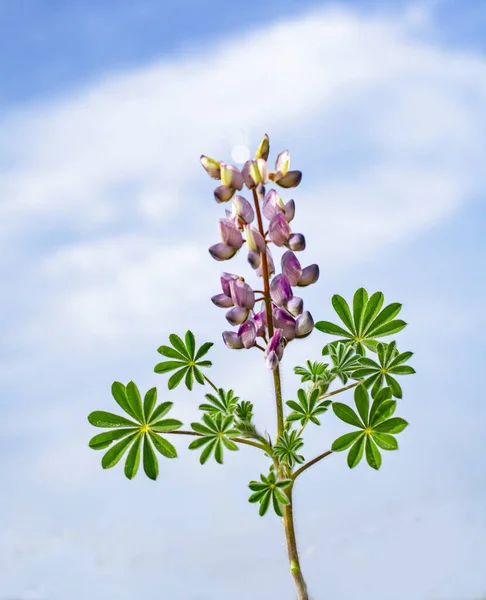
(268, 319)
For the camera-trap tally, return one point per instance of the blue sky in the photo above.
(106, 218)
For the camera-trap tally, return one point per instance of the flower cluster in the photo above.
(281, 317)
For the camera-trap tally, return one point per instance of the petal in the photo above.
(296, 242)
(231, 176)
(243, 209)
(212, 167)
(254, 239)
(309, 275)
(242, 294)
(285, 322)
(225, 281)
(270, 264)
(272, 205)
(255, 172)
(271, 361)
(222, 251)
(295, 306)
(223, 193)
(230, 234)
(260, 320)
(282, 164)
(280, 290)
(237, 315)
(264, 148)
(222, 301)
(304, 324)
(279, 230)
(232, 340)
(291, 267)
(290, 210)
(247, 332)
(254, 258)
(276, 344)
(290, 180)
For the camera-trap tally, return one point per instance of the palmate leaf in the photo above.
(287, 447)
(224, 402)
(307, 408)
(215, 432)
(375, 424)
(345, 360)
(379, 374)
(134, 435)
(269, 491)
(365, 323)
(185, 360)
(318, 373)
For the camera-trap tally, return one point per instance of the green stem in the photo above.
(288, 517)
(211, 383)
(234, 439)
(343, 389)
(310, 463)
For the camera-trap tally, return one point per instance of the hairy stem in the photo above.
(234, 439)
(310, 463)
(288, 516)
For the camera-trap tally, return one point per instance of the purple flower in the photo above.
(247, 333)
(263, 149)
(282, 320)
(237, 315)
(222, 301)
(291, 267)
(282, 175)
(309, 275)
(280, 290)
(272, 205)
(255, 244)
(231, 177)
(211, 166)
(290, 210)
(304, 325)
(295, 306)
(296, 242)
(232, 340)
(223, 193)
(255, 172)
(230, 234)
(242, 209)
(222, 251)
(279, 230)
(225, 282)
(274, 350)
(242, 294)
(260, 320)
(270, 263)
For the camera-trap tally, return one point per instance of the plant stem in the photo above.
(234, 439)
(310, 463)
(288, 517)
(211, 383)
(343, 389)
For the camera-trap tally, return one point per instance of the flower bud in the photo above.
(280, 290)
(255, 172)
(304, 325)
(222, 301)
(254, 258)
(231, 339)
(282, 320)
(309, 275)
(279, 230)
(290, 210)
(231, 176)
(296, 242)
(282, 163)
(212, 167)
(247, 333)
(290, 180)
(263, 149)
(242, 294)
(272, 205)
(243, 209)
(237, 315)
(223, 193)
(291, 267)
(295, 306)
(222, 251)
(274, 350)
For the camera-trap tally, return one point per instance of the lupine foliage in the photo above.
(268, 320)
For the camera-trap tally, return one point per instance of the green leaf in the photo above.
(362, 402)
(345, 441)
(178, 344)
(265, 503)
(346, 414)
(133, 459)
(166, 425)
(176, 378)
(360, 301)
(170, 365)
(119, 393)
(198, 376)
(402, 370)
(373, 455)
(394, 425)
(394, 386)
(135, 400)
(356, 453)
(341, 307)
(208, 450)
(330, 328)
(389, 328)
(199, 442)
(149, 403)
(203, 350)
(383, 411)
(171, 353)
(101, 418)
(386, 315)
(229, 444)
(372, 309)
(401, 358)
(163, 446)
(385, 441)
(161, 410)
(103, 440)
(190, 344)
(150, 464)
(189, 380)
(114, 454)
